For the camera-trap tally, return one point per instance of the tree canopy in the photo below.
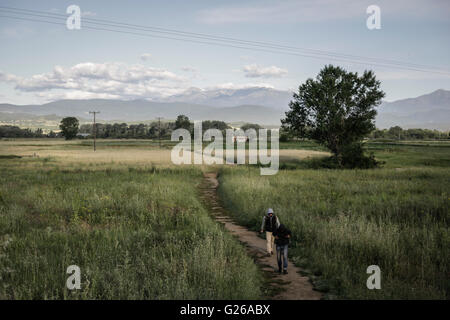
(337, 109)
(69, 127)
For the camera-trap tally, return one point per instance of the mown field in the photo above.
(396, 217)
(135, 225)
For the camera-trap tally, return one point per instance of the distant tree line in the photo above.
(8, 131)
(124, 130)
(70, 129)
(152, 130)
(397, 133)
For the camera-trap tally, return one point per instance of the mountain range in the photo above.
(429, 111)
(257, 105)
(136, 110)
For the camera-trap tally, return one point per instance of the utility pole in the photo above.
(95, 126)
(159, 130)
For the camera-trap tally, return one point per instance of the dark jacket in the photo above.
(270, 224)
(281, 235)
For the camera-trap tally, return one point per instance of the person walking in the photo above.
(270, 223)
(282, 238)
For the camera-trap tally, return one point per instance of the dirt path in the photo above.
(291, 286)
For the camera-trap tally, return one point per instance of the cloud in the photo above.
(5, 77)
(256, 71)
(113, 80)
(75, 95)
(145, 56)
(84, 75)
(116, 80)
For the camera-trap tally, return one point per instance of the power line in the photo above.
(393, 64)
(240, 47)
(216, 38)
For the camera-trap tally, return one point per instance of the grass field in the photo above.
(135, 225)
(135, 232)
(396, 217)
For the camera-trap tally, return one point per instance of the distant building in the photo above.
(240, 138)
(83, 135)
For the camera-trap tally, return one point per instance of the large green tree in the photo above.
(69, 127)
(337, 109)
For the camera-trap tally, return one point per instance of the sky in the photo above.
(42, 62)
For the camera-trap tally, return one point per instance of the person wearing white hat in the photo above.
(270, 224)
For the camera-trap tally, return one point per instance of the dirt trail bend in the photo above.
(292, 286)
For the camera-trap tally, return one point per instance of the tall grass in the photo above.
(345, 220)
(135, 234)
